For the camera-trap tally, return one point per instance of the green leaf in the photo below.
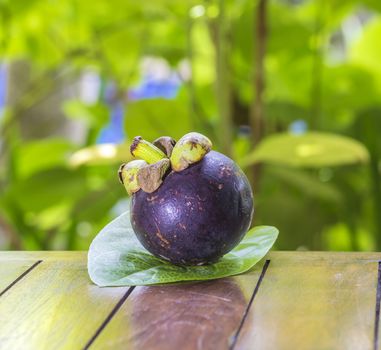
(116, 258)
(96, 204)
(94, 115)
(157, 117)
(364, 52)
(39, 155)
(344, 95)
(103, 154)
(49, 187)
(312, 149)
(303, 181)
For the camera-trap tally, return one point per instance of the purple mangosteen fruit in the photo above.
(190, 205)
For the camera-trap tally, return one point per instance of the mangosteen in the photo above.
(190, 205)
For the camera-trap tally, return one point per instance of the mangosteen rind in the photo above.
(196, 215)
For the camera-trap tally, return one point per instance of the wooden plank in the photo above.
(314, 301)
(11, 271)
(55, 307)
(13, 264)
(306, 300)
(203, 315)
(41, 255)
(377, 344)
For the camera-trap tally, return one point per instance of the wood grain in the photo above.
(41, 255)
(10, 270)
(314, 301)
(204, 315)
(306, 300)
(55, 307)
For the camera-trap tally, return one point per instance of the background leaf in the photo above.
(106, 153)
(42, 154)
(157, 117)
(312, 149)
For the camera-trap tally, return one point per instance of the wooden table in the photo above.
(291, 300)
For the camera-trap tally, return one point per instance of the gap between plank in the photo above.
(20, 277)
(235, 338)
(108, 318)
(378, 301)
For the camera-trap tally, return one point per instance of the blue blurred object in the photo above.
(3, 85)
(113, 132)
(149, 88)
(155, 88)
(298, 127)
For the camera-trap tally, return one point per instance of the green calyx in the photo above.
(158, 158)
(145, 150)
(166, 144)
(151, 176)
(191, 148)
(128, 175)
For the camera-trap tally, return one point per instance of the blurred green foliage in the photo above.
(321, 67)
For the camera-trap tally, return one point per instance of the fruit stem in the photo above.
(145, 150)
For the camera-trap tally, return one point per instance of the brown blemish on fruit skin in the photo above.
(152, 199)
(160, 236)
(200, 198)
(225, 171)
(165, 241)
